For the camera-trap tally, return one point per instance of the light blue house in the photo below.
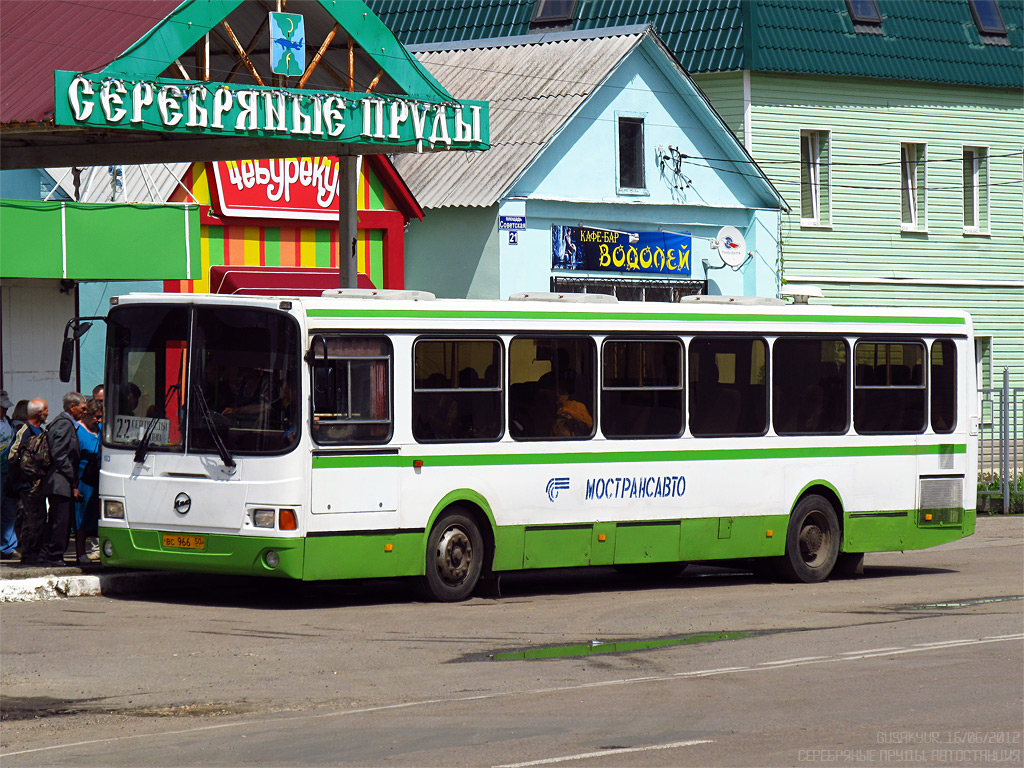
(609, 172)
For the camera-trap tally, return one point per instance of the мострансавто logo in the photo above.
(556, 484)
(650, 487)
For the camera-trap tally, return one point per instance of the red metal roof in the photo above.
(37, 38)
(276, 281)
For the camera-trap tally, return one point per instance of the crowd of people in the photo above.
(48, 490)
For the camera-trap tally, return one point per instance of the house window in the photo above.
(975, 190)
(630, 131)
(814, 179)
(987, 17)
(864, 12)
(913, 169)
(551, 11)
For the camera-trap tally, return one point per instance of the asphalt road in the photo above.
(920, 662)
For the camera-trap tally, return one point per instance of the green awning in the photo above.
(98, 241)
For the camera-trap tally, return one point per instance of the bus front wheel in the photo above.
(812, 541)
(455, 554)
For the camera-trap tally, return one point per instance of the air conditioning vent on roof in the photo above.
(578, 298)
(742, 301)
(801, 293)
(377, 293)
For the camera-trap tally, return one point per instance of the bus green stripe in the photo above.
(606, 316)
(617, 457)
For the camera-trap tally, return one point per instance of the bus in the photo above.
(367, 434)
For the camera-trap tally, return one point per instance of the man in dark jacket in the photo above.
(31, 494)
(61, 481)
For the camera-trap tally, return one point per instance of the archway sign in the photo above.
(227, 80)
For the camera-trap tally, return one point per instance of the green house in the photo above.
(893, 128)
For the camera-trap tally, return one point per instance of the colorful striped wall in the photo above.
(284, 246)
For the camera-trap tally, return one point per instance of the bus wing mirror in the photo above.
(67, 357)
(75, 329)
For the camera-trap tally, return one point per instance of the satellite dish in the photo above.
(731, 246)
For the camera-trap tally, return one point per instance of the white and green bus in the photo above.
(373, 434)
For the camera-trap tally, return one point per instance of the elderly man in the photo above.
(31, 494)
(61, 481)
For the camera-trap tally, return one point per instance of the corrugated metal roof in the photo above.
(77, 35)
(533, 89)
(139, 183)
(935, 41)
(932, 41)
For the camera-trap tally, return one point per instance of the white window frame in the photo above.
(619, 189)
(818, 190)
(980, 187)
(914, 178)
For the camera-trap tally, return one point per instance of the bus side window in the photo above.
(728, 386)
(943, 386)
(552, 388)
(457, 391)
(642, 389)
(351, 389)
(810, 390)
(889, 396)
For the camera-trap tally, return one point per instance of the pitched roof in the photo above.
(535, 84)
(933, 41)
(186, 41)
(75, 35)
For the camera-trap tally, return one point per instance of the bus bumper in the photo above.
(220, 553)
(902, 531)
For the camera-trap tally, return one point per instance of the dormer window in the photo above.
(549, 12)
(988, 18)
(865, 15)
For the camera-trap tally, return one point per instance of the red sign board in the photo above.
(296, 188)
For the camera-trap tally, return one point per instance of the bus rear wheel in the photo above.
(812, 541)
(455, 554)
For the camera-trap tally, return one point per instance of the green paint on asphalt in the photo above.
(621, 646)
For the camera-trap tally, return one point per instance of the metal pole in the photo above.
(348, 264)
(1004, 442)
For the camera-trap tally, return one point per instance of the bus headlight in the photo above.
(272, 559)
(263, 518)
(108, 548)
(113, 509)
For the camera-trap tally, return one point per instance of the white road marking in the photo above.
(538, 691)
(604, 752)
(790, 662)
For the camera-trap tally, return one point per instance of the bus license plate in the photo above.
(179, 541)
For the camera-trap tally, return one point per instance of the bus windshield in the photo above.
(241, 363)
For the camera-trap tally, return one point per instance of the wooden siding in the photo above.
(725, 91)
(867, 121)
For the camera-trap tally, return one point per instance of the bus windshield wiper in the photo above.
(204, 410)
(147, 435)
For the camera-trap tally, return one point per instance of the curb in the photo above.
(57, 587)
(48, 588)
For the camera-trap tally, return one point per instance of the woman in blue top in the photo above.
(87, 507)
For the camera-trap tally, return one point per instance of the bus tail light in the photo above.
(288, 520)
